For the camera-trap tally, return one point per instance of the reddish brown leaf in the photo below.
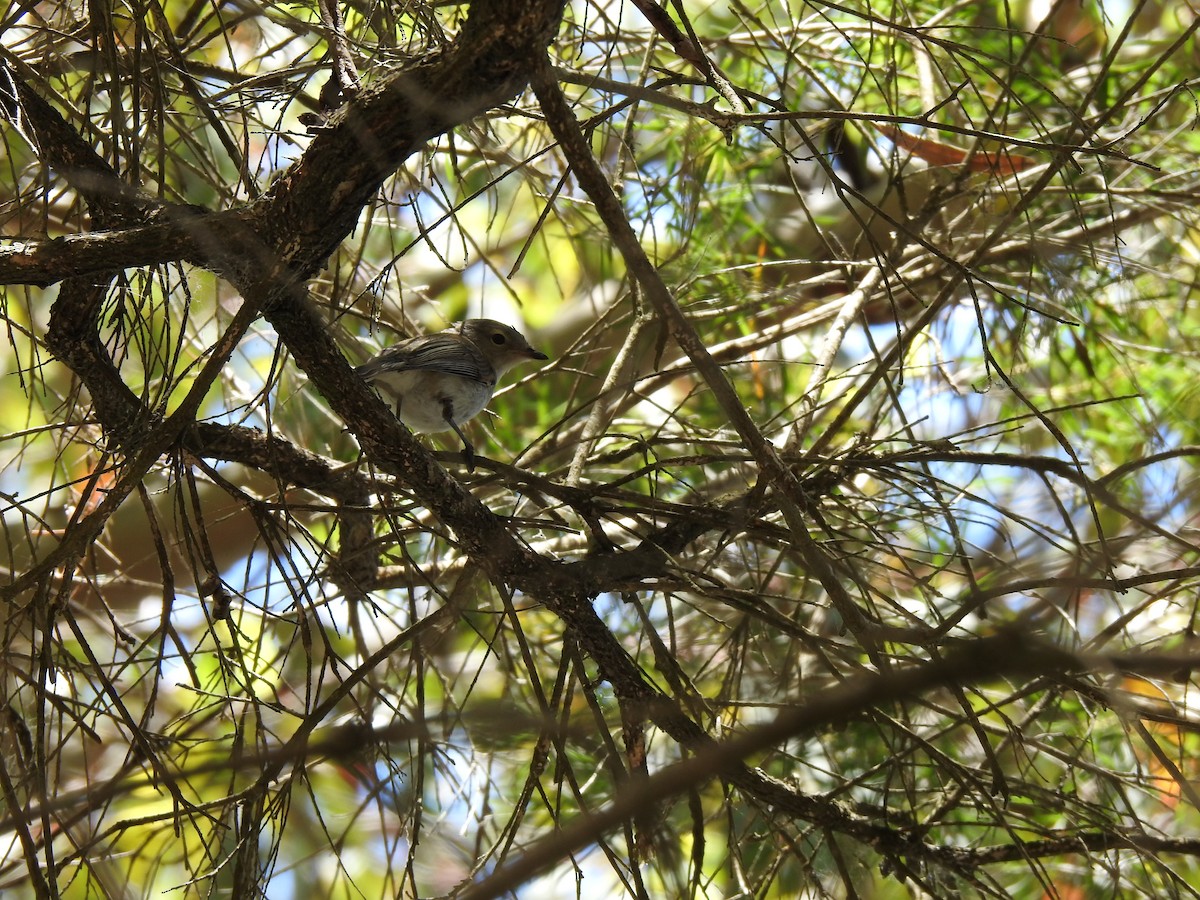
(939, 154)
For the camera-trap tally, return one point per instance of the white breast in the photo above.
(422, 396)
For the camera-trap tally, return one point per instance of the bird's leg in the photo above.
(468, 451)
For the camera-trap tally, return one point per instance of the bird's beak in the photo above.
(537, 354)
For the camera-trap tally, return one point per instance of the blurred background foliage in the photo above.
(947, 254)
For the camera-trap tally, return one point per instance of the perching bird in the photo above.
(438, 381)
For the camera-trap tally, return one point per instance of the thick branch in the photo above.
(109, 198)
(308, 211)
(1004, 655)
(45, 262)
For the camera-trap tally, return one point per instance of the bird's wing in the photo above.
(446, 352)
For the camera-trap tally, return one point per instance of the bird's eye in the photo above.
(498, 338)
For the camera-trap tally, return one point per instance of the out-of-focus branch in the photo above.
(973, 662)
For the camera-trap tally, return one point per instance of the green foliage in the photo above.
(945, 256)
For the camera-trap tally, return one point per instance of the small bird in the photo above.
(438, 381)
